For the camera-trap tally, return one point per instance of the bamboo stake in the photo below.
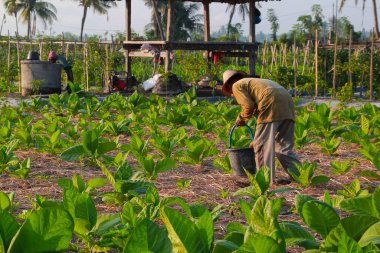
(349, 59)
(18, 64)
(371, 67)
(106, 72)
(295, 64)
(306, 52)
(316, 63)
(334, 68)
(9, 63)
(264, 59)
(85, 49)
(40, 49)
(63, 44)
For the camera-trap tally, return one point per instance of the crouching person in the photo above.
(274, 108)
(53, 58)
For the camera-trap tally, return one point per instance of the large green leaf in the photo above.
(300, 200)
(5, 202)
(148, 237)
(259, 243)
(356, 225)
(8, 228)
(90, 141)
(320, 217)
(372, 235)
(348, 245)
(264, 219)
(361, 206)
(224, 246)
(73, 153)
(46, 230)
(205, 226)
(82, 209)
(296, 235)
(183, 233)
(105, 147)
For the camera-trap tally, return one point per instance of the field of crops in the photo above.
(151, 174)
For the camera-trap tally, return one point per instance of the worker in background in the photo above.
(53, 57)
(274, 108)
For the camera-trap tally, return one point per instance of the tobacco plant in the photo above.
(305, 177)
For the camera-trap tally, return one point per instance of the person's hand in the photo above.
(240, 122)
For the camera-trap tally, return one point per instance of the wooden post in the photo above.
(349, 58)
(9, 63)
(295, 64)
(18, 63)
(334, 68)
(306, 51)
(106, 84)
(316, 63)
(75, 50)
(86, 66)
(264, 59)
(252, 37)
(206, 15)
(128, 32)
(41, 48)
(371, 67)
(169, 34)
(63, 44)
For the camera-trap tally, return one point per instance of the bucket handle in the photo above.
(232, 130)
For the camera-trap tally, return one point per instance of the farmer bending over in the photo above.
(53, 57)
(274, 108)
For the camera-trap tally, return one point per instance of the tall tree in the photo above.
(99, 6)
(318, 17)
(12, 7)
(31, 9)
(243, 10)
(274, 25)
(156, 17)
(185, 19)
(375, 16)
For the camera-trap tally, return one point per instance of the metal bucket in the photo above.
(241, 158)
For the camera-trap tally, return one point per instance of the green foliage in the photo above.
(51, 227)
(329, 145)
(340, 168)
(183, 183)
(197, 151)
(151, 168)
(306, 175)
(223, 164)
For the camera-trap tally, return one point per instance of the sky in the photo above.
(70, 15)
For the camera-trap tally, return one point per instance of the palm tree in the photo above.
(243, 11)
(376, 20)
(12, 7)
(31, 9)
(185, 18)
(99, 6)
(157, 7)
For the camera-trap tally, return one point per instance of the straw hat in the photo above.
(227, 76)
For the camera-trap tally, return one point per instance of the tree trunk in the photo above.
(157, 16)
(29, 27)
(83, 20)
(16, 23)
(376, 19)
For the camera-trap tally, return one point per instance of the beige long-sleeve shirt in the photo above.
(264, 98)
